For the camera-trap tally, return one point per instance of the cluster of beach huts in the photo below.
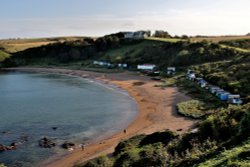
(145, 68)
(217, 91)
(108, 64)
(151, 69)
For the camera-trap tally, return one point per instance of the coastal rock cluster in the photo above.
(13, 146)
(68, 145)
(46, 143)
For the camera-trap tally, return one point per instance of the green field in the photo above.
(16, 45)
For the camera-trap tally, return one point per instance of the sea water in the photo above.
(80, 111)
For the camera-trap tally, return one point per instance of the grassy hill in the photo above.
(166, 52)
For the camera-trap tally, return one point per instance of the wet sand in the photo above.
(156, 112)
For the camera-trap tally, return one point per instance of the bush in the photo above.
(244, 129)
(127, 158)
(102, 161)
(192, 108)
(162, 137)
(128, 144)
(152, 155)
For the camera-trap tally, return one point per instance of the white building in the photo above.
(102, 63)
(128, 34)
(146, 67)
(135, 35)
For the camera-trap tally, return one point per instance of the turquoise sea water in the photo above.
(82, 110)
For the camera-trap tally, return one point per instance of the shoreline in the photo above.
(155, 111)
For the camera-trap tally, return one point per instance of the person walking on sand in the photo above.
(83, 147)
(124, 131)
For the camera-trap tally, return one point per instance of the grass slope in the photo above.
(238, 156)
(236, 48)
(129, 50)
(3, 55)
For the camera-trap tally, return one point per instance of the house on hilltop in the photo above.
(136, 35)
(128, 34)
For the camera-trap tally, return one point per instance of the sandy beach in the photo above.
(156, 111)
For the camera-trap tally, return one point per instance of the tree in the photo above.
(184, 37)
(161, 34)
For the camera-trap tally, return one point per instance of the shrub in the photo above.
(192, 108)
(102, 161)
(128, 144)
(127, 158)
(162, 137)
(244, 129)
(152, 155)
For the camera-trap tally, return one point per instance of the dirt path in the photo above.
(156, 111)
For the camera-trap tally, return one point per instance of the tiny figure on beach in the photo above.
(83, 147)
(124, 131)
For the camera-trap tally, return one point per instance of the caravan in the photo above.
(234, 99)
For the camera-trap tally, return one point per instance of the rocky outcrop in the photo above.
(46, 143)
(13, 146)
(68, 145)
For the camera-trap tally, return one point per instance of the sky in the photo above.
(50, 18)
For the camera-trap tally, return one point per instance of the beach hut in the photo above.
(190, 72)
(212, 89)
(198, 80)
(223, 96)
(218, 91)
(234, 99)
(203, 84)
(208, 86)
(171, 70)
(191, 77)
(150, 67)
